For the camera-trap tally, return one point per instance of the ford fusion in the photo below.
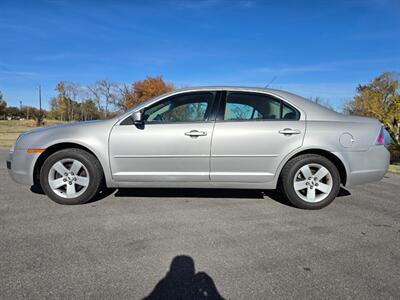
(208, 137)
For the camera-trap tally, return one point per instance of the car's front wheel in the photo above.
(71, 176)
(310, 181)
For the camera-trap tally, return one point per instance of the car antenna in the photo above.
(271, 81)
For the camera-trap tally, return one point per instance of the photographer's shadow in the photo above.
(181, 282)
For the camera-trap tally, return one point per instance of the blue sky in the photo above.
(312, 48)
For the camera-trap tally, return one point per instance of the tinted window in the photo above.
(192, 107)
(289, 113)
(249, 106)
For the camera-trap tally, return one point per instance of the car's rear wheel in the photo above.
(310, 181)
(71, 176)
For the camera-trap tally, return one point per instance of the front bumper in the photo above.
(367, 166)
(20, 165)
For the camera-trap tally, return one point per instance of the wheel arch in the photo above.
(54, 148)
(325, 153)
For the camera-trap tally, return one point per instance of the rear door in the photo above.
(252, 135)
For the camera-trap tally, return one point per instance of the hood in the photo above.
(68, 132)
(64, 125)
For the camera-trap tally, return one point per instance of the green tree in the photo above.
(380, 99)
(89, 110)
(13, 112)
(61, 104)
(73, 102)
(64, 106)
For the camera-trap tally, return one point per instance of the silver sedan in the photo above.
(208, 137)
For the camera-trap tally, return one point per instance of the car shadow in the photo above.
(343, 192)
(275, 195)
(188, 193)
(103, 192)
(182, 282)
(203, 193)
(37, 189)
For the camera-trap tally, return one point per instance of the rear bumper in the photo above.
(20, 165)
(366, 166)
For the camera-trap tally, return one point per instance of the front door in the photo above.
(172, 145)
(254, 133)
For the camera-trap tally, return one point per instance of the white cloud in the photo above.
(293, 69)
(324, 67)
(12, 74)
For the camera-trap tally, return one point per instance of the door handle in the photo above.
(289, 131)
(195, 133)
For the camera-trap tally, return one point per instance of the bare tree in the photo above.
(94, 91)
(322, 102)
(73, 91)
(106, 92)
(124, 94)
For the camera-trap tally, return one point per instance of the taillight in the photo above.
(381, 137)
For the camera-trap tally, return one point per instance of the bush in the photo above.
(394, 153)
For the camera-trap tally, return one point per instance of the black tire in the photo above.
(289, 171)
(88, 160)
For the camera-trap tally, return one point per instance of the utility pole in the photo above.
(20, 105)
(40, 117)
(40, 100)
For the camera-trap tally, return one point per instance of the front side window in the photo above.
(192, 107)
(251, 106)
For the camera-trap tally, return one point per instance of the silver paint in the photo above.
(222, 154)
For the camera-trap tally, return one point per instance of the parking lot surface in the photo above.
(236, 244)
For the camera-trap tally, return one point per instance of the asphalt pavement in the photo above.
(236, 244)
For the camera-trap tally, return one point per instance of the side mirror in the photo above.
(138, 117)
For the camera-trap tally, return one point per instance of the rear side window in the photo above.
(289, 113)
(252, 106)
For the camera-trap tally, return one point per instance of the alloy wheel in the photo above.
(68, 178)
(313, 182)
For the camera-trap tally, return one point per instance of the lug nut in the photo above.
(70, 182)
(65, 179)
(316, 184)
